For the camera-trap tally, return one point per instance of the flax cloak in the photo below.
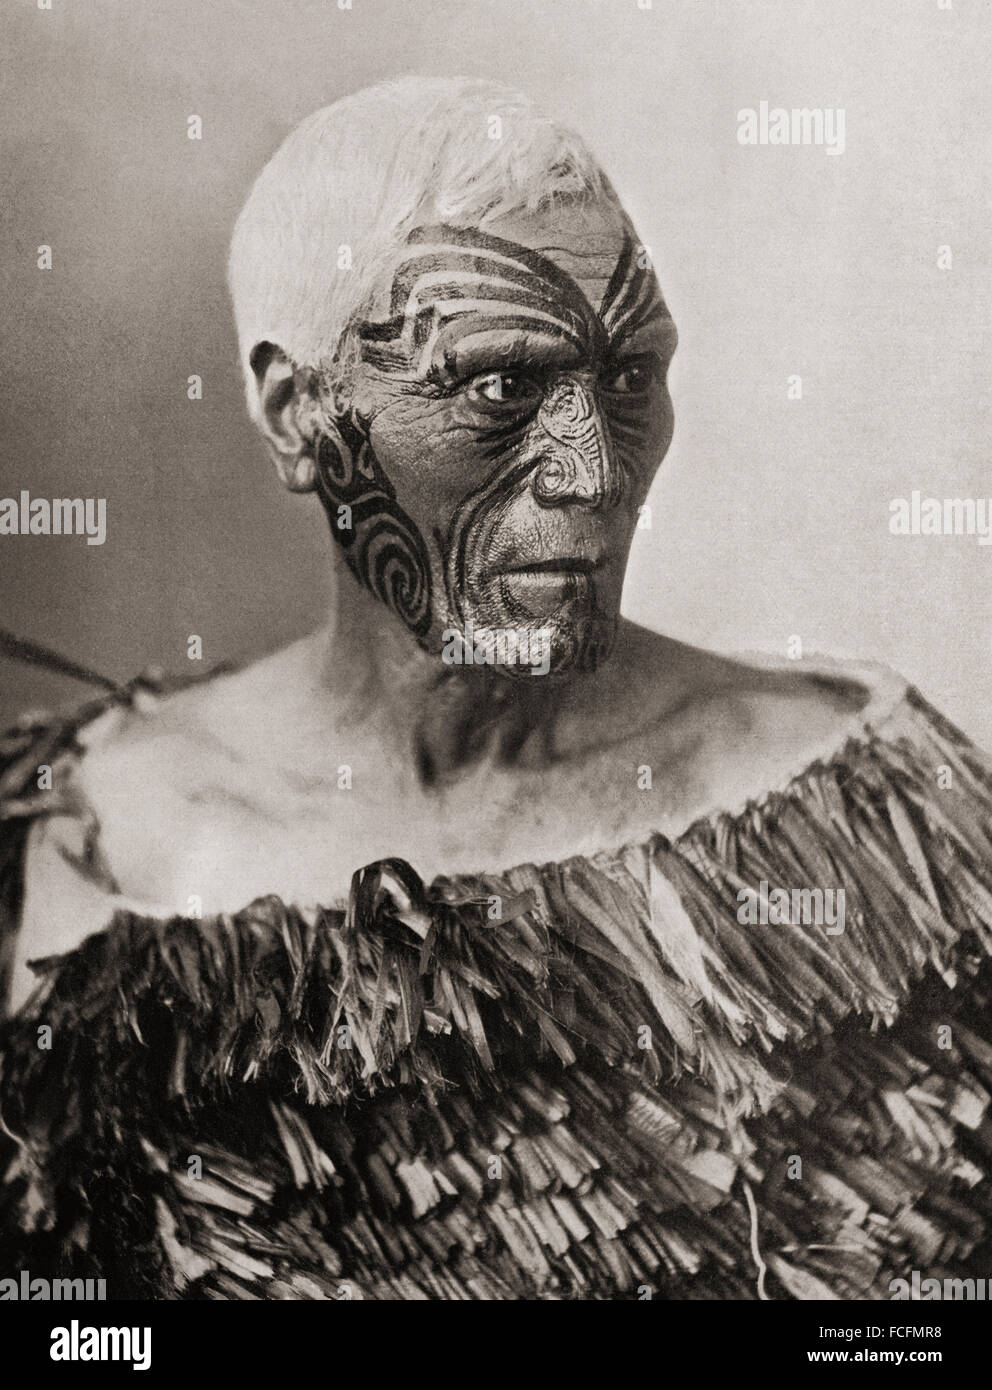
(603, 1094)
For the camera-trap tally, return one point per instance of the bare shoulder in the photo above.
(200, 743)
(159, 782)
(727, 729)
(162, 749)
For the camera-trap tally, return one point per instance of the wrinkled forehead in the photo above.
(585, 240)
(577, 272)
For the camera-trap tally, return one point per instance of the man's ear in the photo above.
(282, 415)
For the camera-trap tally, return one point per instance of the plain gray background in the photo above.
(770, 516)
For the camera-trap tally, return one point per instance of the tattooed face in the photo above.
(510, 412)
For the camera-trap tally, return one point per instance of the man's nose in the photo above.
(578, 462)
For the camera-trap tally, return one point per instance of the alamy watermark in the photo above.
(25, 1289)
(792, 907)
(498, 646)
(56, 516)
(75, 1343)
(917, 515)
(924, 1290)
(806, 125)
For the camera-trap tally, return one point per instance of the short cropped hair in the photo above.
(353, 179)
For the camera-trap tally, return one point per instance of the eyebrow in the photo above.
(474, 347)
(654, 330)
(410, 339)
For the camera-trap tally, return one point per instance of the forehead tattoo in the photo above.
(456, 283)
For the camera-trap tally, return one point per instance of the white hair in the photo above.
(353, 179)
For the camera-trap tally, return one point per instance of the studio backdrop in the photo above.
(832, 298)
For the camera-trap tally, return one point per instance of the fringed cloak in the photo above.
(583, 1080)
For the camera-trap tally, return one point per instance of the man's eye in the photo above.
(502, 386)
(632, 378)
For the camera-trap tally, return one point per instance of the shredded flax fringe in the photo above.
(405, 1099)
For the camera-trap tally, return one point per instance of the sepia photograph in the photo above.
(496, 665)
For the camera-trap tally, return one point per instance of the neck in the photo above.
(450, 718)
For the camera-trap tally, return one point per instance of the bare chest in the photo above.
(226, 838)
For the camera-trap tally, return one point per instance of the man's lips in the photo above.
(542, 585)
(559, 564)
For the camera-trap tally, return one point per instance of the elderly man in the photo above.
(479, 939)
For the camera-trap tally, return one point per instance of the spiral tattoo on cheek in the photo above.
(382, 546)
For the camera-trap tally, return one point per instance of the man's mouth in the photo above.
(559, 565)
(539, 587)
